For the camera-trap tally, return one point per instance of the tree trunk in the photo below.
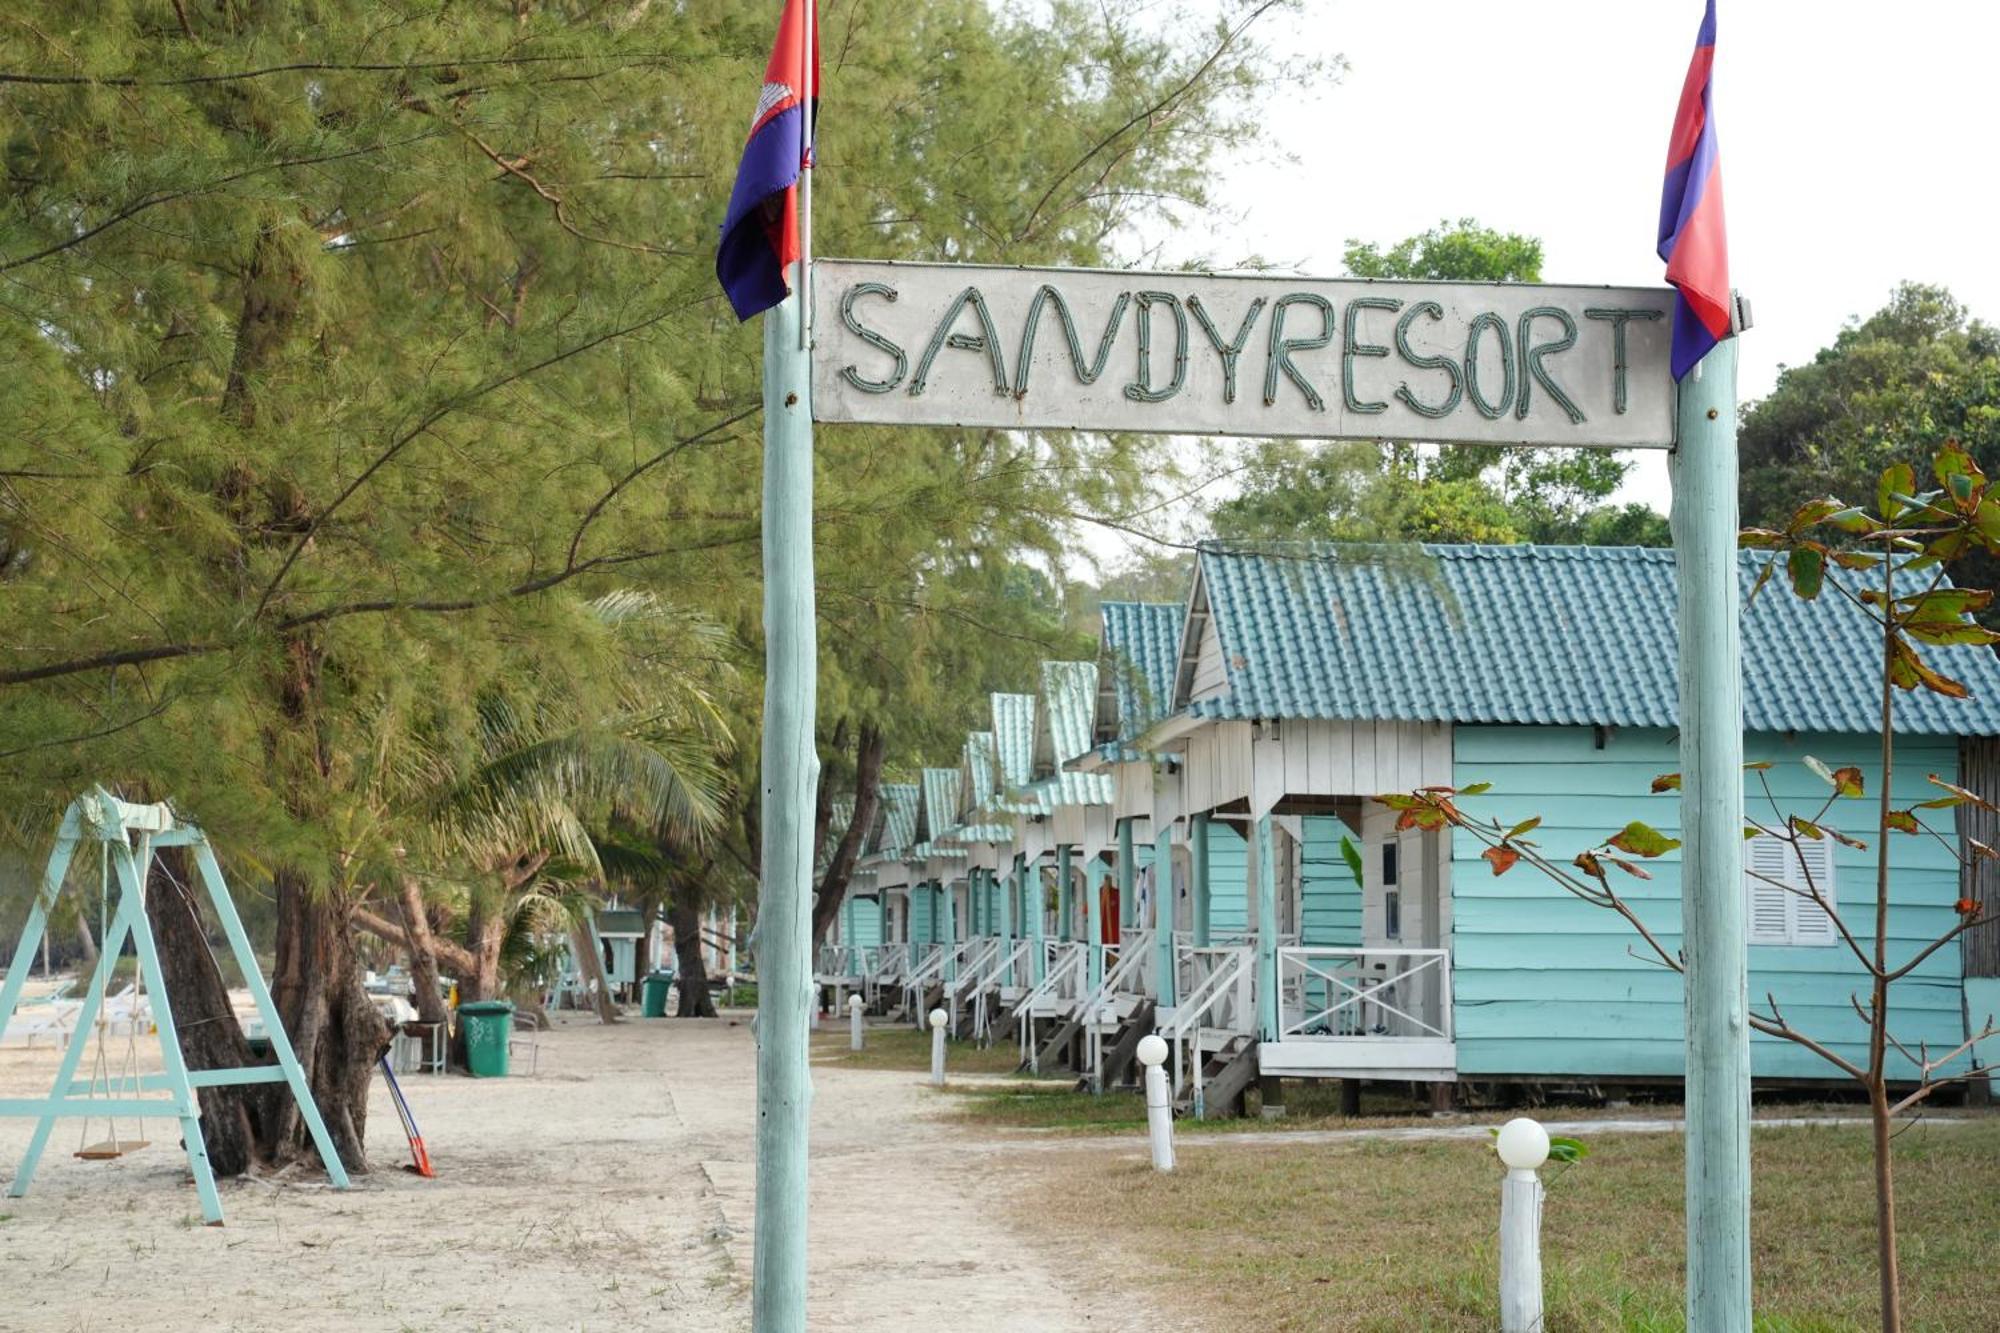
(236, 1123)
(334, 1028)
(1885, 1207)
(696, 1002)
(422, 947)
(590, 966)
(870, 749)
(485, 930)
(86, 944)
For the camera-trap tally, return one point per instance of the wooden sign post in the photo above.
(1479, 363)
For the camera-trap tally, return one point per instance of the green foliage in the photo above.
(1368, 492)
(1461, 251)
(1868, 413)
(353, 365)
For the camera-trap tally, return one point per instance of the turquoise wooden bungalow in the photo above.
(882, 858)
(1311, 680)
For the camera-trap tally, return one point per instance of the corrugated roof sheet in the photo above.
(1066, 707)
(1140, 645)
(937, 812)
(899, 819)
(982, 778)
(1553, 635)
(1014, 737)
(1068, 703)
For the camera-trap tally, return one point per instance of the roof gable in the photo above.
(899, 820)
(1014, 738)
(1553, 635)
(978, 774)
(1137, 652)
(937, 809)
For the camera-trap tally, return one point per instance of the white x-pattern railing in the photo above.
(1329, 992)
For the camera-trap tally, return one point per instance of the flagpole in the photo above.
(1703, 469)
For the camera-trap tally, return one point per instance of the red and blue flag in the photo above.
(760, 234)
(1692, 240)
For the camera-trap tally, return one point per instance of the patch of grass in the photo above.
(1396, 1236)
(905, 1048)
(1308, 1105)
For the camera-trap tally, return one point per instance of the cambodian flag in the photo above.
(1691, 232)
(760, 235)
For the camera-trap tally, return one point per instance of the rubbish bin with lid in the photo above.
(488, 1025)
(653, 993)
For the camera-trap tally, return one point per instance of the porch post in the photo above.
(1093, 921)
(1128, 877)
(948, 906)
(1033, 904)
(1008, 887)
(1703, 470)
(1163, 914)
(1065, 907)
(1198, 888)
(1265, 860)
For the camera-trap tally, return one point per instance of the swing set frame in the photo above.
(129, 834)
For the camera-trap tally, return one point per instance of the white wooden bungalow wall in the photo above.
(1264, 763)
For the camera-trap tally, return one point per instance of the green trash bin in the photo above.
(653, 994)
(488, 1025)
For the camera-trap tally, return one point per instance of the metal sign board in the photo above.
(1242, 354)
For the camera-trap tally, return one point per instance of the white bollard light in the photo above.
(1159, 1103)
(1523, 1145)
(855, 1005)
(938, 1019)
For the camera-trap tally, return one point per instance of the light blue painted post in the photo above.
(1267, 929)
(1007, 885)
(1703, 469)
(1034, 903)
(1128, 876)
(948, 908)
(1198, 889)
(1163, 915)
(790, 774)
(1065, 893)
(171, 1059)
(260, 995)
(1093, 921)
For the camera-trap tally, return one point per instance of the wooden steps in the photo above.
(1225, 1078)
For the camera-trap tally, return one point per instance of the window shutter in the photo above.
(1770, 910)
(1810, 922)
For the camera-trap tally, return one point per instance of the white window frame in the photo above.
(1786, 916)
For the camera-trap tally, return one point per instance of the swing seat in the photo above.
(111, 1149)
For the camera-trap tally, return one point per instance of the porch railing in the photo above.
(1126, 968)
(1328, 992)
(1062, 981)
(1217, 986)
(926, 966)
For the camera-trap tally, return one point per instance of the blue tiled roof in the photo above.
(937, 813)
(1014, 738)
(899, 819)
(1067, 704)
(981, 772)
(1140, 646)
(1553, 635)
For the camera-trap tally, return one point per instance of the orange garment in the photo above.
(1107, 912)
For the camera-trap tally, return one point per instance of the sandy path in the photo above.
(612, 1190)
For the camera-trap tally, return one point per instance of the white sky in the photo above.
(1857, 149)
